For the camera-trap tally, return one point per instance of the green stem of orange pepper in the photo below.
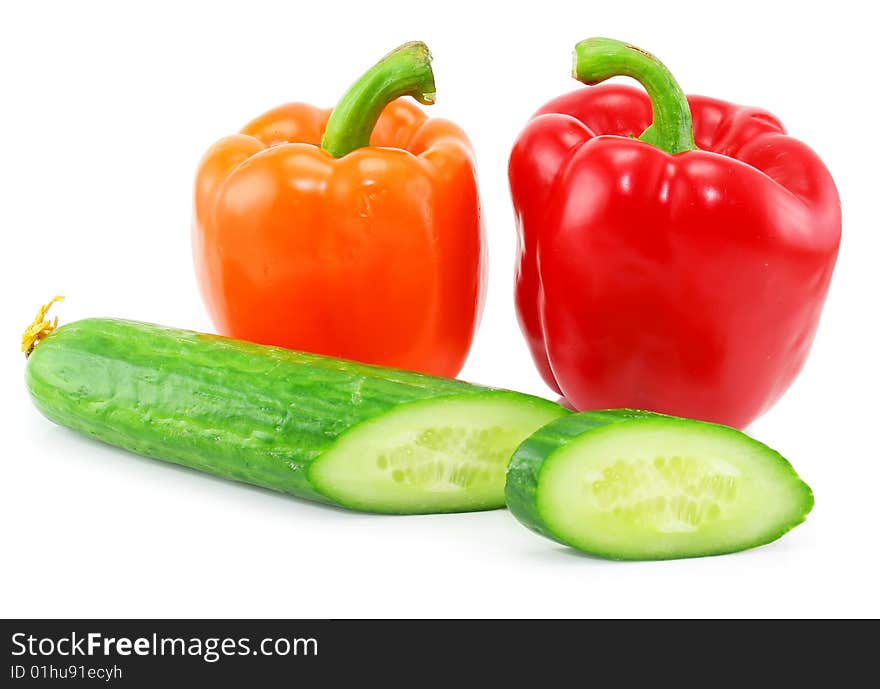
(405, 71)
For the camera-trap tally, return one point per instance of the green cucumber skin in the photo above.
(534, 453)
(247, 412)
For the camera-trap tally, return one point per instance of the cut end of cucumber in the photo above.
(447, 454)
(663, 487)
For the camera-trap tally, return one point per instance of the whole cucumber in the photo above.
(325, 429)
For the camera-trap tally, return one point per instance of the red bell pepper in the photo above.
(674, 252)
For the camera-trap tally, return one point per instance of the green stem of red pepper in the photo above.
(598, 59)
(405, 71)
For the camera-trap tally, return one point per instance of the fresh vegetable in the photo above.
(682, 271)
(336, 431)
(632, 485)
(355, 234)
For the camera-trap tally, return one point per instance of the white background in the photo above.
(106, 109)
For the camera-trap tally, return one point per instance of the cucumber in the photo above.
(334, 431)
(631, 485)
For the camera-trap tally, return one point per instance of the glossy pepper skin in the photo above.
(357, 236)
(682, 273)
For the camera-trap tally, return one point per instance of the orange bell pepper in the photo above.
(355, 234)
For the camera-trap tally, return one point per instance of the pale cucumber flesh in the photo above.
(447, 454)
(662, 487)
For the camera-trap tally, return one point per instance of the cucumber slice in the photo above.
(320, 428)
(630, 485)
